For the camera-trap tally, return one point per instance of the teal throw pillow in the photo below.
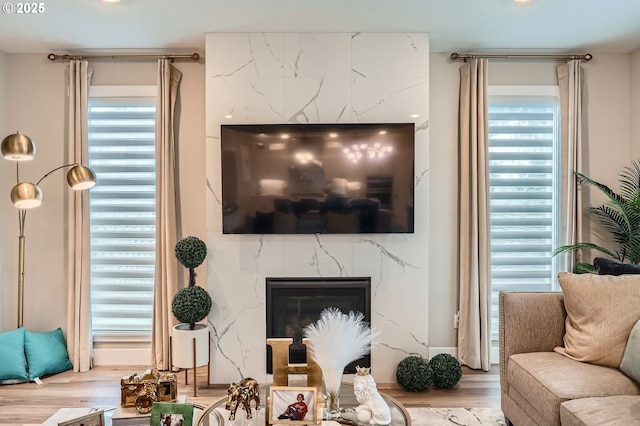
(12, 366)
(630, 364)
(46, 353)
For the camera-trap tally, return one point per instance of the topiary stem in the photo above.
(192, 277)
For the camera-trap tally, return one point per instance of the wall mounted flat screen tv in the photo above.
(318, 178)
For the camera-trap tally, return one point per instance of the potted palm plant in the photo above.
(619, 217)
(190, 305)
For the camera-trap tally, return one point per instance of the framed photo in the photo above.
(171, 414)
(92, 419)
(293, 405)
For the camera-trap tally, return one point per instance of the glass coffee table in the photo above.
(217, 415)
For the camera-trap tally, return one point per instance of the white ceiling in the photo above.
(76, 26)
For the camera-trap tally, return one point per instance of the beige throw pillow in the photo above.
(601, 311)
(630, 364)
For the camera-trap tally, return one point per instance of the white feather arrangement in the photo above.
(335, 340)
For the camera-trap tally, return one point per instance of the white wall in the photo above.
(4, 95)
(608, 133)
(634, 115)
(37, 97)
(7, 226)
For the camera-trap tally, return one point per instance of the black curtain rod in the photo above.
(465, 56)
(54, 57)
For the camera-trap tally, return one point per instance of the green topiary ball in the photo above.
(414, 374)
(191, 252)
(191, 304)
(446, 370)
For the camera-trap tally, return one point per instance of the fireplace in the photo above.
(294, 303)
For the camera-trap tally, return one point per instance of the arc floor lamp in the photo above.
(26, 195)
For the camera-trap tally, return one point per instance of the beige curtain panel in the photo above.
(79, 338)
(571, 82)
(474, 339)
(166, 275)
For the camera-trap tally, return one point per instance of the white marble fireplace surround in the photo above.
(316, 78)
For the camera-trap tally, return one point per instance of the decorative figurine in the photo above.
(372, 407)
(242, 394)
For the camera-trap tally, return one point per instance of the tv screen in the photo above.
(317, 178)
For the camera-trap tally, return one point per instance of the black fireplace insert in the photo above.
(294, 303)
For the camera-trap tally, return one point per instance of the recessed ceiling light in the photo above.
(414, 115)
(522, 1)
(111, 1)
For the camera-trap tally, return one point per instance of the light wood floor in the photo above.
(30, 403)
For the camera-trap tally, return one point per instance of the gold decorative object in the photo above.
(282, 368)
(242, 394)
(142, 390)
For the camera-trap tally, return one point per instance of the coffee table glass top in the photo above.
(217, 415)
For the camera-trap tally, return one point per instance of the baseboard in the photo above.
(493, 355)
(445, 350)
(122, 357)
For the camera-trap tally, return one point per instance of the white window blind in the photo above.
(524, 205)
(122, 215)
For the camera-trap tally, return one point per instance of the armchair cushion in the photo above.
(601, 311)
(630, 364)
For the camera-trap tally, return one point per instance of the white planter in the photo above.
(182, 345)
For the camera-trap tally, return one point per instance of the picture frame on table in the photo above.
(95, 418)
(180, 414)
(288, 403)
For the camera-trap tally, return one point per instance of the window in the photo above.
(121, 144)
(524, 139)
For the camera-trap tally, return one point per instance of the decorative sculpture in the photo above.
(372, 407)
(242, 394)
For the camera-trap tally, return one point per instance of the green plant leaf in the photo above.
(618, 219)
(580, 246)
(583, 268)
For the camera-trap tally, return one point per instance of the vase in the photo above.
(331, 391)
(182, 346)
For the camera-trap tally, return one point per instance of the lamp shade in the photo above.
(18, 147)
(26, 195)
(80, 177)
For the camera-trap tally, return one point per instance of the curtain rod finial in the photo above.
(455, 56)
